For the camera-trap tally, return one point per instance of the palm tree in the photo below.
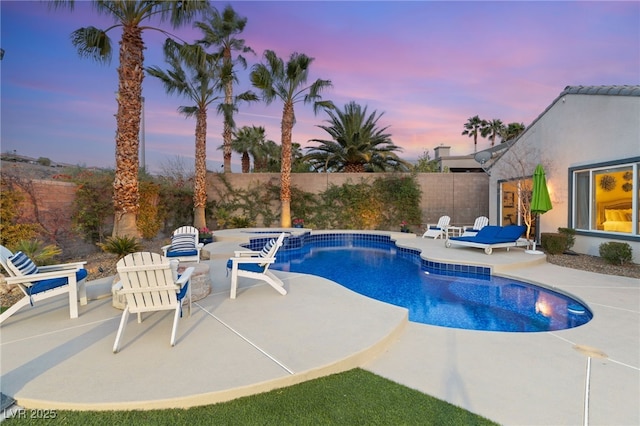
(512, 131)
(472, 128)
(246, 140)
(196, 76)
(267, 157)
(220, 31)
(95, 43)
(287, 82)
(492, 128)
(357, 144)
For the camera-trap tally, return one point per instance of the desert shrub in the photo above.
(40, 253)
(121, 246)
(240, 222)
(570, 234)
(616, 253)
(12, 232)
(553, 243)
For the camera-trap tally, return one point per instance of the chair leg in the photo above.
(123, 324)
(234, 280)
(176, 317)
(274, 282)
(82, 292)
(73, 296)
(14, 308)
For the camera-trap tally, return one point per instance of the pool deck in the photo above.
(262, 341)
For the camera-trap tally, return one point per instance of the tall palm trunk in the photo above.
(200, 184)
(246, 162)
(226, 131)
(125, 185)
(288, 119)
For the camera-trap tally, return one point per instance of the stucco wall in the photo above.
(577, 129)
(462, 196)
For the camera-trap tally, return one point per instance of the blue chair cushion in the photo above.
(253, 267)
(51, 283)
(178, 253)
(434, 227)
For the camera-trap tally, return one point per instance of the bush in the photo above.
(553, 243)
(121, 246)
(570, 234)
(38, 252)
(616, 253)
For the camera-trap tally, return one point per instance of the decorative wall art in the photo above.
(608, 183)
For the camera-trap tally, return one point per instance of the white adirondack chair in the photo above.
(480, 222)
(150, 283)
(255, 265)
(184, 246)
(438, 230)
(48, 281)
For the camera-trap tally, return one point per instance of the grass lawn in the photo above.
(355, 397)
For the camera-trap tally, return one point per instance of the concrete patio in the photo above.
(262, 340)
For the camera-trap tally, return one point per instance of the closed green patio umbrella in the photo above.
(540, 200)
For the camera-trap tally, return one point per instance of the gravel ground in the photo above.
(100, 265)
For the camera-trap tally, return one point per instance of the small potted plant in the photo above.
(404, 227)
(298, 223)
(205, 235)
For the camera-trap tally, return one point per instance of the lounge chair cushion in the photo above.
(511, 232)
(21, 264)
(494, 235)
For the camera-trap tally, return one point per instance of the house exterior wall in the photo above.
(576, 130)
(462, 196)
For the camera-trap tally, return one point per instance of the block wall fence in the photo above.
(462, 196)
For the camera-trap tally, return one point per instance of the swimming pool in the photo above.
(446, 295)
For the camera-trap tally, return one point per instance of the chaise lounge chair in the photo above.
(42, 282)
(184, 246)
(490, 237)
(255, 265)
(149, 283)
(470, 231)
(438, 230)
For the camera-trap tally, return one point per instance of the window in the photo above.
(605, 198)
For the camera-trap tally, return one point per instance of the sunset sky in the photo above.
(427, 65)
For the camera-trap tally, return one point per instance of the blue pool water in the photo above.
(434, 293)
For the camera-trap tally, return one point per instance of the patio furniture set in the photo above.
(148, 282)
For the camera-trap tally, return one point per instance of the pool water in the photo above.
(460, 300)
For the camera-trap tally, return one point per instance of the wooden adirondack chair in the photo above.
(150, 283)
(184, 246)
(43, 282)
(255, 265)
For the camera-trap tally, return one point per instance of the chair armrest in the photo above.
(63, 266)
(253, 259)
(40, 276)
(185, 276)
(245, 253)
